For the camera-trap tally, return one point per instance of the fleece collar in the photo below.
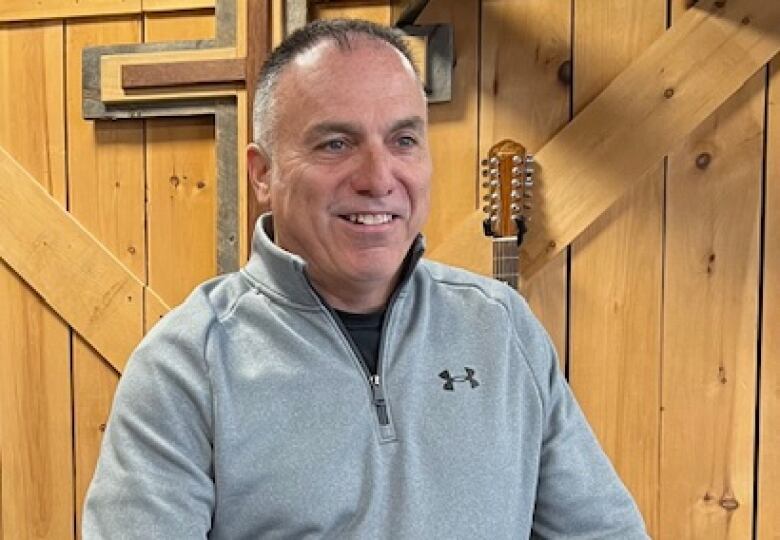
(283, 274)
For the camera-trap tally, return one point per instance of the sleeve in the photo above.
(579, 494)
(154, 477)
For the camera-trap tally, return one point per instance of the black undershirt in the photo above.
(365, 329)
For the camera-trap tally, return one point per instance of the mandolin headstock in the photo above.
(507, 180)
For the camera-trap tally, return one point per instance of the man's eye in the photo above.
(407, 140)
(335, 145)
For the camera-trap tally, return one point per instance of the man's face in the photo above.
(349, 175)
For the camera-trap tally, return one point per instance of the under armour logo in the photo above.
(449, 380)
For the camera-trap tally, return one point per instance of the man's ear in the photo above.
(259, 170)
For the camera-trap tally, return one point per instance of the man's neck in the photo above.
(357, 299)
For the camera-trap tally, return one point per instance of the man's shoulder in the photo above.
(454, 278)
(207, 304)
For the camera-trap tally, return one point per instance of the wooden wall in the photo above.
(146, 191)
(664, 311)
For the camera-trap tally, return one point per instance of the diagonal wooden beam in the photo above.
(643, 115)
(71, 270)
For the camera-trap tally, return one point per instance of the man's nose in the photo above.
(375, 177)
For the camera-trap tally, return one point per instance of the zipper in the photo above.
(379, 398)
(374, 381)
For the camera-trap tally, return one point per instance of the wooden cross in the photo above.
(187, 78)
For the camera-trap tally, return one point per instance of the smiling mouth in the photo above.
(368, 219)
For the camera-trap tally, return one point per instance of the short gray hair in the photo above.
(340, 31)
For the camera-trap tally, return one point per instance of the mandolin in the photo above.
(507, 181)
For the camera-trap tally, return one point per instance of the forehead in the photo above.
(366, 74)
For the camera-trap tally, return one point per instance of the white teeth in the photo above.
(370, 219)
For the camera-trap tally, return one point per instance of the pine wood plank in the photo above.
(524, 45)
(380, 13)
(35, 420)
(181, 182)
(21, 10)
(453, 126)
(681, 79)
(151, 6)
(57, 257)
(768, 525)
(277, 22)
(616, 271)
(105, 168)
(710, 331)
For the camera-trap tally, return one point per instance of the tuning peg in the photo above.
(486, 208)
(494, 172)
(517, 159)
(515, 183)
(515, 171)
(527, 195)
(494, 219)
(515, 194)
(529, 158)
(484, 172)
(529, 171)
(486, 197)
(494, 160)
(528, 182)
(494, 208)
(484, 163)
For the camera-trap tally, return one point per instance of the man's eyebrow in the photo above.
(415, 123)
(326, 128)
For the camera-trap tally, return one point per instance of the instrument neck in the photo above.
(505, 260)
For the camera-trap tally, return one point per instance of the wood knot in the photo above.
(201, 184)
(745, 20)
(131, 250)
(552, 245)
(564, 72)
(707, 497)
(703, 160)
(711, 263)
(729, 503)
(102, 428)
(668, 93)
(174, 180)
(720, 4)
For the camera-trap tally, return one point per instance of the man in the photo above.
(339, 386)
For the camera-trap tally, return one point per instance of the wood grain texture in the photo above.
(36, 495)
(710, 331)
(768, 525)
(277, 22)
(232, 71)
(453, 128)
(524, 46)
(616, 271)
(648, 109)
(378, 13)
(174, 5)
(56, 256)
(181, 183)
(106, 193)
(21, 10)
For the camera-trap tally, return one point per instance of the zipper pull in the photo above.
(379, 399)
